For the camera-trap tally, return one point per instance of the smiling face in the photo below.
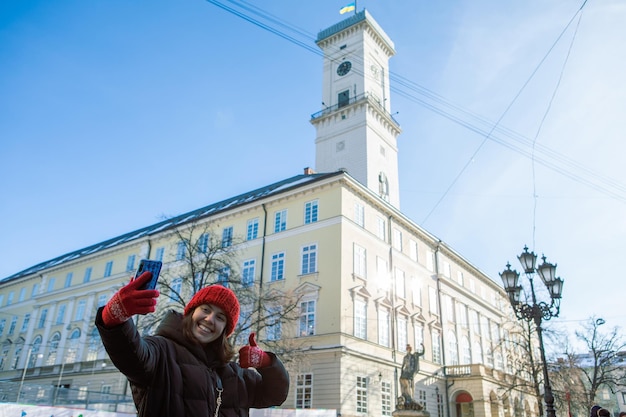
(208, 323)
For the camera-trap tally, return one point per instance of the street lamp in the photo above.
(533, 310)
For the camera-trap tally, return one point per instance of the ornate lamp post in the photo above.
(531, 310)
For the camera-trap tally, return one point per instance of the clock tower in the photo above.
(355, 129)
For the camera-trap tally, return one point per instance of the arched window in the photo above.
(466, 351)
(453, 349)
(34, 353)
(95, 342)
(72, 348)
(54, 347)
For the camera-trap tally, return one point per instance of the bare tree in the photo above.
(203, 257)
(525, 366)
(583, 375)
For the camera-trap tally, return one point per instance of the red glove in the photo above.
(253, 356)
(129, 300)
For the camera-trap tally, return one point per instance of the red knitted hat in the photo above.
(220, 296)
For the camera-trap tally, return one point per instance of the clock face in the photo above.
(344, 68)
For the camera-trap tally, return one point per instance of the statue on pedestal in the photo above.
(410, 366)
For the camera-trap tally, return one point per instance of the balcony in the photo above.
(365, 97)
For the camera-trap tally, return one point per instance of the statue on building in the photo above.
(410, 366)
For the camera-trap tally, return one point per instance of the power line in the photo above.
(426, 98)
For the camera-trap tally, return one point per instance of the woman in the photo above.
(185, 368)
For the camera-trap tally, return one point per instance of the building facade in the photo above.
(370, 279)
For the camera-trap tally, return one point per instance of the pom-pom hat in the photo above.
(220, 296)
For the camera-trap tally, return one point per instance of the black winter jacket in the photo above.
(171, 377)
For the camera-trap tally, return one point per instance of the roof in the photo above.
(230, 203)
(362, 16)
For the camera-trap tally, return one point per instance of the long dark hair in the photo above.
(220, 346)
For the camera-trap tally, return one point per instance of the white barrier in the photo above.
(20, 410)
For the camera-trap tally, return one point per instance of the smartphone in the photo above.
(152, 266)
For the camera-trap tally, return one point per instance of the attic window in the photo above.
(343, 46)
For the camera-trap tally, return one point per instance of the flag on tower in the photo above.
(348, 8)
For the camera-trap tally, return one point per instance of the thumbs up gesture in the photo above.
(253, 356)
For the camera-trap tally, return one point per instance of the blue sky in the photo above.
(115, 113)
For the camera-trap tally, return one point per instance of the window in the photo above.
(68, 279)
(310, 212)
(12, 326)
(102, 300)
(72, 348)
(3, 324)
(160, 251)
(12, 294)
(181, 250)
(32, 294)
(309, 259)
(34, 353)
(247, 272)
(402, 334)
(22, 295)
(360, 318)
(223, 276)
(397, 239)
(432, 300)
(227, 237)
(245, 318)
(42, 318)
(203, 243)
(436, 348)
(461, 315)
(381, 230)
(108, 269)
(448, 309)
(304, 390)
(400, 285)
(343, 98)
(50, 289)
(307, 318)
(440, 406)
(421, 397)
(418, 329)
(177, 286)
(94, 345)
(383, 327)
(80, 310)
(25, 322)
(274, 328)
(459, 277)
(87, 276)
(361, 394)
(278, 267)
(61, 314)
(453, 349)
(252, 229)
(359, 214)
(430, 261)
(385, 398)
(477, 352)
(54, 347)
(130, 263)
(82, 393)
(359, 261)
(413, 249)
(280, 221)
(417, 292)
